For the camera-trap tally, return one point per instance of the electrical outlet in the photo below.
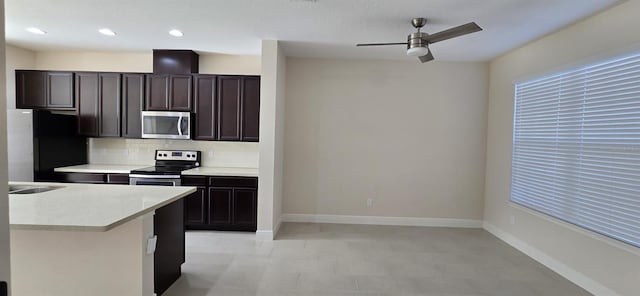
(369, 202)
(512, 219)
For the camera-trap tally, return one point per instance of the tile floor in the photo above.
(332, 259)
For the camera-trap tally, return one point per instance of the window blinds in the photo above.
(576, 147)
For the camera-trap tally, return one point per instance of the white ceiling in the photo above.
(320, 28)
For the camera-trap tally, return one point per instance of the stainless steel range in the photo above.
(169, 166)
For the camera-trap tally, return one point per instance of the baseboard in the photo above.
(569, 273)
(266, 235)
(379, 220)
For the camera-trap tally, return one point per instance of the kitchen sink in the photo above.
(30, 189)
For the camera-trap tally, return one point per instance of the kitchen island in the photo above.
(84, 239)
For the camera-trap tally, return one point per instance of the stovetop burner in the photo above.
(171, 162)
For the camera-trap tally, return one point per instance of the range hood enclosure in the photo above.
(171, 61)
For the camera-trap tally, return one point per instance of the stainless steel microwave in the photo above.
(166, 125)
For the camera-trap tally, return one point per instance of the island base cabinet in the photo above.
(108, 263)
(168, 226)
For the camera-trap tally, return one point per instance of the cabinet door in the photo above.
(157, 92)
(87, 92)
(250, 109)
(229, 108)
(205, 107)
(180, 93)
(60, 90)
(195, 213)
(244, 207)
(220, 206)
(109, 105)
(30, 89)
(132, 104)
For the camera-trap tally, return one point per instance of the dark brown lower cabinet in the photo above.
(195, 205)
(226, 203)
(93, 178)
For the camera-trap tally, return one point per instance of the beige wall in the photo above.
(94, 61)
(4, 197)
(142, 62)
(595, 262)
(16, 58)
(272, 101)
(409, 136)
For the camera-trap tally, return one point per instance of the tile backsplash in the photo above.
(138, 151)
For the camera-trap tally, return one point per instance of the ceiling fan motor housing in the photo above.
(417, 39)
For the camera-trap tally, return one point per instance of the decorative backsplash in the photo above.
(138, 151)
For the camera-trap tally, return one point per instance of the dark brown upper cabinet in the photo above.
(169, 92)
(109, 107)
(238, 108)
(99, 97)
(172, 61)
(30, 89)
(87, 93)
(250, 109)
(133, 87)
(60, 90)
(205, 107)
(229, 102)
(44, 89)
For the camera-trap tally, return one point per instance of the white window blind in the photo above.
(576, 147)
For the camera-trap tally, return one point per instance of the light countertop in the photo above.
(87, 207)
(220, 171)
(100, 168)
(125, 169)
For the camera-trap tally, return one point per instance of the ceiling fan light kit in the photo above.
(417, 51)
(418, 42)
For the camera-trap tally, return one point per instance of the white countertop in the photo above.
(125, 169)
(220, 171)
(87, 207)
(99, 168)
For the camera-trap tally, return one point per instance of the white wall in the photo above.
(4, 197)
(410, 136)
(272, 101)
(602, 265)
(16, 58)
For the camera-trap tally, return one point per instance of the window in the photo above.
(576, 147)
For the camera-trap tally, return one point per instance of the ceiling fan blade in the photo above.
(380, 44)
(454, 32)
(426, 58)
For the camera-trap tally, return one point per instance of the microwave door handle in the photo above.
(180, 125)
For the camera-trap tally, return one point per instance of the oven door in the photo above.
(154, 180)
(166, 125)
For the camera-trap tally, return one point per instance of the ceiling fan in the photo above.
(418, 42)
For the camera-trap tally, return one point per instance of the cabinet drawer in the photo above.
(83, 178)
(118, 178)
(194, 181)
(249, 182)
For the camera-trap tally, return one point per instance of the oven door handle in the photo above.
(154, 176)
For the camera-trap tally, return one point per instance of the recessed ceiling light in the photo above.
(176, 33)
(107, 31)
(36, 31)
